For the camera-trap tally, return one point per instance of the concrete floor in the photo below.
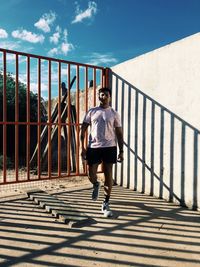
(145, 232)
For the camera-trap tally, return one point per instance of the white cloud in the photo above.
(102, 59)
(65, 34)
(66, 48)
(11, 57)
(9, 45)
(55, 38)
(3, 33)
(33, 82)
(34, 87)
(53, 51)
(62, 49)
(45, 21)
(86, 14)
(28, 36)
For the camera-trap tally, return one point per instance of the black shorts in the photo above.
(101, 154)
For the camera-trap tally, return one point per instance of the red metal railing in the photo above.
(59, 133)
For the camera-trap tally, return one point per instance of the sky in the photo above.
(99, 32)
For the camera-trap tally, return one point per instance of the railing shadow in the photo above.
(148, 232)
(161, 156)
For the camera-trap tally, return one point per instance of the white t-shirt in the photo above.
(102, 126)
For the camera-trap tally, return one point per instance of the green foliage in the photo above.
(22, 106)
(9, 164)
(22, 98)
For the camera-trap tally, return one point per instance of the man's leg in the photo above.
(93, 179)
(107, 168)
(92, 169)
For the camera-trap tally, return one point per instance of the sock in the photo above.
(107, 198)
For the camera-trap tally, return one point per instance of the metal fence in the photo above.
(42, 104)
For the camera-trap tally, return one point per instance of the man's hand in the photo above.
(120, 140)
(83, 131)
(120, 157)
(83, 154)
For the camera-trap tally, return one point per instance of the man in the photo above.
(105, 128)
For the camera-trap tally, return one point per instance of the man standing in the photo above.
(105, 128)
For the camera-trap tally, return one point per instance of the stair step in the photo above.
(63, 211)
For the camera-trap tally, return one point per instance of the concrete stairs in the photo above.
(59, 209)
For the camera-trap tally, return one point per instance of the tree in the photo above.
(10, 103)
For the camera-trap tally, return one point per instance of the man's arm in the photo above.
(120, 141)
(83, 131)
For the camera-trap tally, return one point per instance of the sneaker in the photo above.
(106, 209)
(95, 193)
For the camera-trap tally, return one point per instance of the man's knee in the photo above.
(92, 172)
(107, 168)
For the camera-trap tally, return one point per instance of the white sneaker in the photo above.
(95, 193)
(106, 209)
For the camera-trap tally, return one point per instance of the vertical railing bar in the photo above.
(94, 86)
(86, 106)
(152, 144)
(102, 78)
(4, 119)
(69, 124)
(136, 141)
(49, 119)
(195, 170)
(59, 120)
(183, 156)
(144, 113)
(28, 120)
(129, 107)
(107, 77)
(86, 89)
(122, 121)
(77, 121)
(102, 85)
(171, 178)
(17, 118)
(39, 119)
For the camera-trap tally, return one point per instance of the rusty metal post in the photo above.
(86, 89)
(69, 124)
(59, 120)
(17, 118)
(102, 77)
(49, 120)
(107, 78)
(39, 121)
(4, 119)
(94, 87)
(28, 120)
(77, 120)
(86, 109)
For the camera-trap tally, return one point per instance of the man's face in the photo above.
(104, 97)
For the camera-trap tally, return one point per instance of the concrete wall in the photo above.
(158, 97)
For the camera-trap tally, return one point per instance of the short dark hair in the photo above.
(105, 89)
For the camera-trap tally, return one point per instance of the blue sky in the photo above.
(102, 32)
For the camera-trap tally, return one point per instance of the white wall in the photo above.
(158, 96)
